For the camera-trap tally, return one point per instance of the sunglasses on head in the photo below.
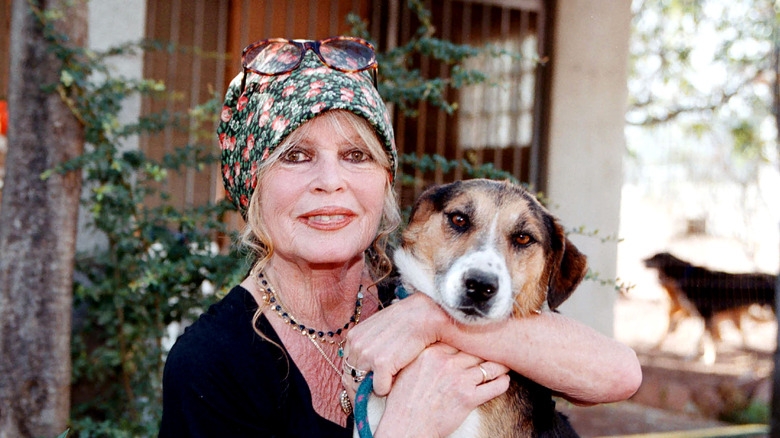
(277, 56)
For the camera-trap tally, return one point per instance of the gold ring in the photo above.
(484, 374)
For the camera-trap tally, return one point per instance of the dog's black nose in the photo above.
(480, 286)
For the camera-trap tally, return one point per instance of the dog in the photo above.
(484, 251)
(713, 295)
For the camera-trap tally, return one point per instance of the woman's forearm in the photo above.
(557, 352)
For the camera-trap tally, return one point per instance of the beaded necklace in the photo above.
(270, 298)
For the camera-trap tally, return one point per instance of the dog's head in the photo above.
(664, 260)
(486, 249)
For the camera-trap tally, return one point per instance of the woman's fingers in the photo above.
(392, 338)
(436, 392)
(492, 389)
(489, 371)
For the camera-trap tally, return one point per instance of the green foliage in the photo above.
(431, 163)
(703, 64)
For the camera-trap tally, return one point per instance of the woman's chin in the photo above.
(327, 257)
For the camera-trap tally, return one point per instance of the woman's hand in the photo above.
(434, 394)
(391, 339)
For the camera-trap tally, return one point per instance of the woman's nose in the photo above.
(328, 175)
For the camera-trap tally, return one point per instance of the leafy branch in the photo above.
(405, 86)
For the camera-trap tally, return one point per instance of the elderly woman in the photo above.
(309, 160)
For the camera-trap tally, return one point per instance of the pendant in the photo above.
(346, 405)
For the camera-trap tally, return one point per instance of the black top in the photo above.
(223, 380)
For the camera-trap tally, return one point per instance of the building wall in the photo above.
(586, 140)
(127, 25)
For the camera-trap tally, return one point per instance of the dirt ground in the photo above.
(680, 392)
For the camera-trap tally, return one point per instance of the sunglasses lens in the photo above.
(347, 54)
(272, 57)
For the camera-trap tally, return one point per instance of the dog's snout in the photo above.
(480, 286)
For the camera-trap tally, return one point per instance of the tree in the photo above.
(38, 222)
(704, 98)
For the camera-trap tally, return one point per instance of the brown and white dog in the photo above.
(485, 251)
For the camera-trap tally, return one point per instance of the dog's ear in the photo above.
(569, 266)
(429, 202)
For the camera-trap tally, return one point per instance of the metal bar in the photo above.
(313, 10)
(466, 35)
(376, 21)
(517, 154)
(149, 58)
(246, 8)
(215, 182)
(334, 17)
(441, 119)
(537, 166)
(289, 20)
(498, 158)
(422, 124)
(487, 112)
(170, 77)
(268, 19)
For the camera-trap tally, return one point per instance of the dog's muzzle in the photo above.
(477, 287)
(480, 287)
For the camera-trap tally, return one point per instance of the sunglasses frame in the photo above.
(304, 46)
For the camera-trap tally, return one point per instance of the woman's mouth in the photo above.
(328, 220)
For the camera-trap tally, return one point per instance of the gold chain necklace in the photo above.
(346, 405)
(272, 300)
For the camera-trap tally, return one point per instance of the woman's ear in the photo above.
(569, 266)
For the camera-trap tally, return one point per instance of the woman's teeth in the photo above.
(328, 218)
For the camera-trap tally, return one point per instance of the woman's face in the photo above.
(322, 201)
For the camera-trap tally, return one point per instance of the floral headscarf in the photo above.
(254, 122)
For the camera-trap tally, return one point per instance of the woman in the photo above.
(309, 159)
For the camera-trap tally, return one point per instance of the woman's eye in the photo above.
(357, 155)
(295, 156)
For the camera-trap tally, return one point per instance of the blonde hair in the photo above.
(254, 236)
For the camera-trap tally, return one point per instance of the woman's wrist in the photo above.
(434, 321)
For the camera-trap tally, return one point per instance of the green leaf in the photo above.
(66, 78)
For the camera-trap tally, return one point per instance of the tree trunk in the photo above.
(38, 221)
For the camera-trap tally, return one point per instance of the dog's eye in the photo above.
(522, 240)
(459, 221)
